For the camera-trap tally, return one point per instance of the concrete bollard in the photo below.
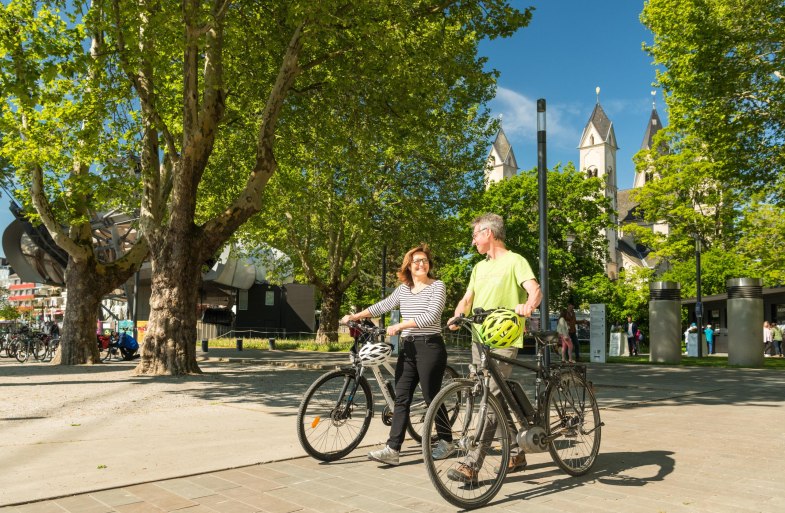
(745, 321)
(204, 345)
(665, 322)
(239, 344)
(271, 342)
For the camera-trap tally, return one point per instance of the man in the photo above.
(709, 332)
(504, 279)
(632, 329)
(571, 324)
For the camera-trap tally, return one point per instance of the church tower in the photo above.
(652, 127)
(597, 150)
(501, 160)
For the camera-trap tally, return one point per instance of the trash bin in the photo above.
(745, 321)
(665, 322)
(204, 345)
(271, 343)
(239, 344)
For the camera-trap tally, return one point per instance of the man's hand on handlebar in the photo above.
(524, 310)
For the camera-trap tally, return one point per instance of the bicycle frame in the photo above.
(525, 415)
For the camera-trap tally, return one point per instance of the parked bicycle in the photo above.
(117, 345)
(563, 420)
(335, 413)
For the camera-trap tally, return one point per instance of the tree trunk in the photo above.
(85, 291)
(169, 345)
(328, 320)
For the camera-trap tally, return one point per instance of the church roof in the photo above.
(504, 149)
(626, 207)
(654, 125)
(602, 124)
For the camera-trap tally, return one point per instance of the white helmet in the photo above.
(375, 353)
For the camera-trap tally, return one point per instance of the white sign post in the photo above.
(597, 333)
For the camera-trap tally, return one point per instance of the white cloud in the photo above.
(519, 118)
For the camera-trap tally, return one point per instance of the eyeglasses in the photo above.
(419, 261)
(475, 234)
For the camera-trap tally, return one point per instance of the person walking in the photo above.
(709, 332)
(776, 338)
(632, 330)
(563, 329)
(573, 331)
(503, 280)
(423, 356)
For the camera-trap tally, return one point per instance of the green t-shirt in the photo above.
(497, 283)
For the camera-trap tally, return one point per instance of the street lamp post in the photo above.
(698, 303)
(542, 173)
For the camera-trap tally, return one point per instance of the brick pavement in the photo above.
(676, 440)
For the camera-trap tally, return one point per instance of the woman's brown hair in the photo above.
(405, 274)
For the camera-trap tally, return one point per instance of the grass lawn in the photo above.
(690, 361)
(308, 344)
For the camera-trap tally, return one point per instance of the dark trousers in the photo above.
(576, 346)
(420, 360)
(632, 345)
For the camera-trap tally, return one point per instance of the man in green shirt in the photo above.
(504, 279)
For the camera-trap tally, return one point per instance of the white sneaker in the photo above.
(443, 450)
(385, 455)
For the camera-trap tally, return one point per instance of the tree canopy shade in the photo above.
(222, 91)
(722, 65)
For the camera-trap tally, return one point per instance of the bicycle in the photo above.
(335, 413)
(564, 420)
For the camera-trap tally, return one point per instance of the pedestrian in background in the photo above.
(776, 338)
(573, 331)
(768, 345)
(709, 332)
(632, 330)
(564, 337)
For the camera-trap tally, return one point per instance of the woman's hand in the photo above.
(394, 329)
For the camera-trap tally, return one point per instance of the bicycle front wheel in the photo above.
(574, 420)
(473, 474)
(419, 408)
(22, 352)
(334, 415)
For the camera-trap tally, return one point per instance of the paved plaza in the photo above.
(97, 439)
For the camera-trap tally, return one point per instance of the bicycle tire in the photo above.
(419, 408)
(495, 456)
(330, 425)
(22, 352)
(571, 409)
(39, 349)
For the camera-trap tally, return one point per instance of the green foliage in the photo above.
(720, 65)
(627, 295)
(576, 205)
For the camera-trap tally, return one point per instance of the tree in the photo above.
(62, 121)
(576, 205)
(226, 89)
(721, 65)
(385, 185)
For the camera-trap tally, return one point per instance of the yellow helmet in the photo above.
(502, 328)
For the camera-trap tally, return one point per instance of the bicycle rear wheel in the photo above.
(334, 415)
(572, 414)
(23, 351)
(419, 408)
(486, 463)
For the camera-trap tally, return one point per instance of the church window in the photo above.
(591, 140)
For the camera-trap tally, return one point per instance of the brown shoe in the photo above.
(517, 463)
(464, 474)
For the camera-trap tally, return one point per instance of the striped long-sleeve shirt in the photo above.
(424, 308)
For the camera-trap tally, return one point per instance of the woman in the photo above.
(768, 346)
(422, 356)
(563, 329)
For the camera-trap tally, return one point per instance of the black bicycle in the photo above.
(335, 413)
(563, 420)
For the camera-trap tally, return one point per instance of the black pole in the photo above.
(384, 278)
(542, 173)
(698, 303)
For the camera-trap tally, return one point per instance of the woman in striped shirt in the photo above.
(422, 357)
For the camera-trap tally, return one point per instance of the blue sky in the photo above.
(569, 48)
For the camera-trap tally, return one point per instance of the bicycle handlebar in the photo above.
(373, 330)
